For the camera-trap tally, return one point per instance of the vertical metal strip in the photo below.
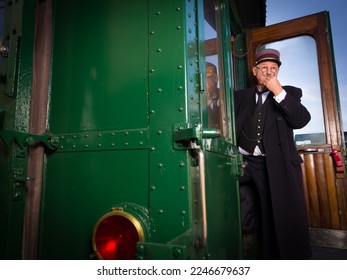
(203, 197)
(37, 125)
(201, 158)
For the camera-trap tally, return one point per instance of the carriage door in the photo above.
(221, 161)
(308, 63)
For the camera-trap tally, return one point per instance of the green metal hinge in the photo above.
(19, 165)
(23, 139)
(27, 139)
(20, 153)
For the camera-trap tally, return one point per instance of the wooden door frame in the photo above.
(314, 26)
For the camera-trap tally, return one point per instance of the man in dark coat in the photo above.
(266, 115)
(213, 96)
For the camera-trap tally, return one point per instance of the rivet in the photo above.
(99, 145)
(113, 144)
(178, 9)
(153, 188)
(151, 33)
(159, 90)
(180, 109)
(86, 146)
(189, 30)
(182, 164)
(140, 248)
(158, 13)
(99, 135)
(160, 211)
(179, 67)
(159, 50)
(74, 146)
(178, 27)
(152, 70)
(177, 252)
(159, 132)
(140, 143)
(182, 188)
(179, 87)
(152, 112)
(113, 134)
(86, 135)
(126, 144)
(183, 213)
(160, 165)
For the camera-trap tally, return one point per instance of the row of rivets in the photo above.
(99, 140)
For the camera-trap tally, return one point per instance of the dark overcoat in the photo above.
(283, 167)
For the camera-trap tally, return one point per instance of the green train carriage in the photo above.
(106, 147)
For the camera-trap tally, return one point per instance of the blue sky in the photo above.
(283, 10)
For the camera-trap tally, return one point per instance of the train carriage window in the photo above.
(215, 88)
(300, 68)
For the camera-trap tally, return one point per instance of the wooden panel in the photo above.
(309, 170)
(342, 198)
(322, 190)
(325, 198)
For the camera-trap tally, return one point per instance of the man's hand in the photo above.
(273, 84)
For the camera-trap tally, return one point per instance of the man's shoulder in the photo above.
(291, 89)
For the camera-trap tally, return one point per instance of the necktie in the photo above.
(260, 99)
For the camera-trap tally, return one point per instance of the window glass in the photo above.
(300, 69)
(215, 89)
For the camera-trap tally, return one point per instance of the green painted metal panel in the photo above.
(169, 168)
(100, 65)
(223, 208)
(80, 188)
(99, 111)
(15, 91)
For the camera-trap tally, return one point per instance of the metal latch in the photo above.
(196, 133)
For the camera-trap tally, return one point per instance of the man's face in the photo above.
(265, 69)
(211, 83)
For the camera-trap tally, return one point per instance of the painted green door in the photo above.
(221, 156)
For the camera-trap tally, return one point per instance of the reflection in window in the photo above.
(215, 90)
(300, 69)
